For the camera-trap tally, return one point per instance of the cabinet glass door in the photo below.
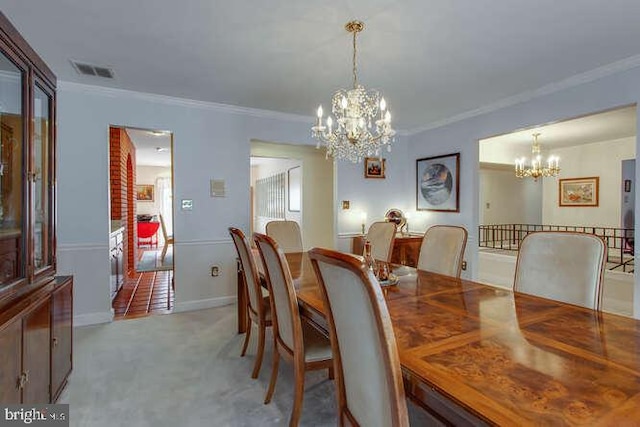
(41, 176)
(12, 136)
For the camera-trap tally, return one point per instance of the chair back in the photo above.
(442, 250)
(366, 361)
(563, 266)
(381, 235)
(287, 234)
(164, 228)
(249, 271)
(287, 327)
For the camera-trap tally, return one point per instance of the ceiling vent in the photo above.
(92, 70)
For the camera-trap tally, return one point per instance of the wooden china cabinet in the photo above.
(36, 307)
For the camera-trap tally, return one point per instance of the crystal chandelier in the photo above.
(361, 117)
(537, 170)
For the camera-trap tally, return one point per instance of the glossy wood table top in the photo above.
(508, 358)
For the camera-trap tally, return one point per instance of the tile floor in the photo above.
(143, 294)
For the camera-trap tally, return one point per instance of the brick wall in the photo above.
(122, 154)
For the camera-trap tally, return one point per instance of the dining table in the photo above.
(474, 354)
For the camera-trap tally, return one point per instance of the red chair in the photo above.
(148, 233)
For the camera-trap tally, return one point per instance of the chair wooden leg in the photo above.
(298, 396)
(164, 251)
(274, 374)
(332, 375)
(246, 338)
(261, 337)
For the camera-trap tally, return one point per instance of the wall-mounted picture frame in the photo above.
(144, 193)
(295, 188)
(374, 167)
(438, 183)
(579, 192)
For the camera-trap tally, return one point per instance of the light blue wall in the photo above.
(210, 141)
(622, 88)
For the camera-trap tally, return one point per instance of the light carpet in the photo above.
(185, 369)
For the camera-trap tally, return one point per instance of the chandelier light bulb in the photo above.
(320, 112)
(383, 104)
(329, 122)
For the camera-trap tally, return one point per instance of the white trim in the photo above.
(203, 303)
(204, 242)
(66, 247)
(183, 102)
(348, 235)
(575, 80)
(92, 318)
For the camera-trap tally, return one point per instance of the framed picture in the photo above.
(144, 193)
(374, 167)
(295, 187)
(438, 183)
(579, 192)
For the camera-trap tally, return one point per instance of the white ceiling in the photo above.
(433, 59)
(605, 126)
(148, 145)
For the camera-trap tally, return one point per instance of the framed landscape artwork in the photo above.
(579, 192)
(374, 167)
(438, 183)
(144, 193)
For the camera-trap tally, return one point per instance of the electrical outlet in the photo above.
(464, 265)
(215, 271)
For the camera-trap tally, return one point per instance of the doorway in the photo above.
(141, 213)
(593, 193)
(297, 183)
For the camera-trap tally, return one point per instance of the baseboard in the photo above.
(92, 318)
(203, 303)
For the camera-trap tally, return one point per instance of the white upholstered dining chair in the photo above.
(563, 266)
(442, 250)
(366, 362)
(168, 239)
(292, 338)
(287, 234)
(258, 307)
(381, 235)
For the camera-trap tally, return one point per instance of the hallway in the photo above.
(145, 293)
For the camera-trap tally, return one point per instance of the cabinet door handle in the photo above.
(55, 341)
(22, 380)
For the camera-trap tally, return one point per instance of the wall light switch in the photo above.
(186, 204)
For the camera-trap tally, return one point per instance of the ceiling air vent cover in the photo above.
(92, 70)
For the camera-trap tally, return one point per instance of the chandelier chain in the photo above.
(355, 64)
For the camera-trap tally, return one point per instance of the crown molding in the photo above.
(181, 102)
(573, 81)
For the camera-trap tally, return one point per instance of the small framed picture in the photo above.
(438, 183)
(144, 193)
(579, 192)
(374, 167)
